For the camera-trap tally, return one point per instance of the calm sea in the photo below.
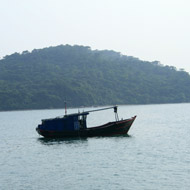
(155, 155)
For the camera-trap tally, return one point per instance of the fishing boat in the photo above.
(75, 125)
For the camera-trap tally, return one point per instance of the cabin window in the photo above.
(82, 121)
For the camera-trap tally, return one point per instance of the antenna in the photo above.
(65, 102)
(65, 107)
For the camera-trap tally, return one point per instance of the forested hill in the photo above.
(44, 78)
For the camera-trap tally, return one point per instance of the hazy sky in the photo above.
(147, 29)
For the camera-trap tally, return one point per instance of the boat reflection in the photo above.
(57, 141)
(75, 140)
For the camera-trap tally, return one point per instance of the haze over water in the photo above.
(154, 156)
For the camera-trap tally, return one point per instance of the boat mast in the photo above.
(115, 111)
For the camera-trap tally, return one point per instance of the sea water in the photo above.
(155, 155)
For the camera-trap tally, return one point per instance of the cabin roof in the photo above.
(67, 116)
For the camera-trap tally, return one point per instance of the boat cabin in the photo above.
(71, 122)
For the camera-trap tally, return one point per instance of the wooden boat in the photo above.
(74, 125)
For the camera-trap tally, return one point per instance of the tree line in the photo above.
(45, 78)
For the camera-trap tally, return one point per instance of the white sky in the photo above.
(147, 29)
